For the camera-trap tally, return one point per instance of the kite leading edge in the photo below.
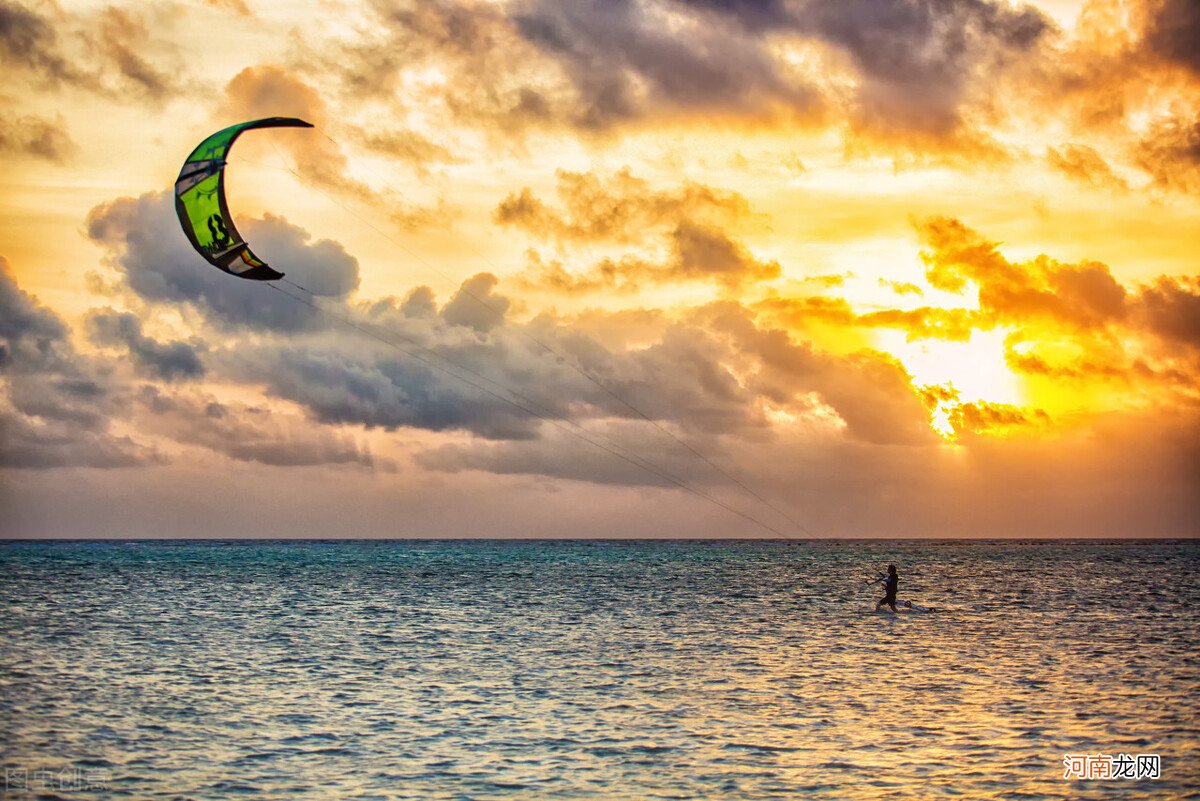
(200, 203)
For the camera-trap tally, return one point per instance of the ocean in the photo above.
(597, 669)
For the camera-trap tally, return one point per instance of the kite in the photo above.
(200, 203)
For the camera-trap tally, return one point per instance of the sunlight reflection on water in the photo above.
(738, 670)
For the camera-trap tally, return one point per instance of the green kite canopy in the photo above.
(200, 202)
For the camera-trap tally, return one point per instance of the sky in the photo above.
(681, 268)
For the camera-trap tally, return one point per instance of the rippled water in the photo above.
(740, 670)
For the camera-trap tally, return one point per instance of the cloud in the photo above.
(799, 313)
(28, 42)
(476, 304)
(109, 51)
(56, 407)
(982, 417)
(627, 60)
(1079, 295)
(623, 208)
(246, 433)
(123, 39)
(1127, 80)
(870, 392)
(1085, 165)
(144, 243)
(237, 6)
(619, 207)
(715, 374)
(271, 90)
(1170, 307)
(901, 287)
(1170, 153)
(927, 322)
(408, 146)
(1068, 321)
(919, 67)
(167, 361)
(701, 252)
(605, 457)
(323, 267)
(695, 253)
(29, 330)
(1174, 32)
(382, 388)
(40, 138)
(920, 62)
(30, 445)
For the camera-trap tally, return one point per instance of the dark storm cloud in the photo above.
(145, 244)
(46, 378)
(57, 405)
(322, 267)
(168, 361)
(419, 302)
(349, 374)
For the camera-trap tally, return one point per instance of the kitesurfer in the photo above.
(889, 589)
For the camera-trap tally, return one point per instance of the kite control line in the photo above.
(204, 215)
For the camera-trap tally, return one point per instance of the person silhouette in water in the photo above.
(889, 589)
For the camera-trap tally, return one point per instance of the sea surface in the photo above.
(602, 669)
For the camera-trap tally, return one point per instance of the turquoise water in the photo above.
(615, 670)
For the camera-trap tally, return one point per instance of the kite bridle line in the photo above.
(563, 358)
(524, 403)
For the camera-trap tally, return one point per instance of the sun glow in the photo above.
(975, 369)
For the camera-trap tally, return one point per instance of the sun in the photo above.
(975, 370)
